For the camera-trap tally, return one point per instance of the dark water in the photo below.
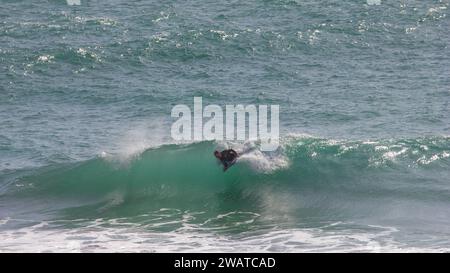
(86, 159)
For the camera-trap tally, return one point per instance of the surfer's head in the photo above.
(217, 154)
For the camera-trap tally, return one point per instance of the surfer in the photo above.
(226, 157)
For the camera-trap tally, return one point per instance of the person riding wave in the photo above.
(226, 157)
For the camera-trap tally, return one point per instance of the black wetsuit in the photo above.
(228, 157)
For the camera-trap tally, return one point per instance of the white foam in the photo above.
(45, 58)
(73, 2)
(258, 160)
(296, 135)
(265, 162)
(392, 155)
(428, 160)
(164, 16)
(223, 35)
(134, 142)
(106, 21)
(373, 2)
(114, 236)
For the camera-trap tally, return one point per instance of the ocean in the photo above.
(88, 164)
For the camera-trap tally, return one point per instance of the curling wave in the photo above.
(306, 171)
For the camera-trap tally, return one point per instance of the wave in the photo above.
(304, 172)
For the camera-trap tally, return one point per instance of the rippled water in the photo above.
(86, 158)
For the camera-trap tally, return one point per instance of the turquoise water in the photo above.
(87, 162)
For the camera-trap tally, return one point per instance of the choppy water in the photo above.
(87, 164)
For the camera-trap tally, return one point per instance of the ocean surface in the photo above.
(87, 163)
